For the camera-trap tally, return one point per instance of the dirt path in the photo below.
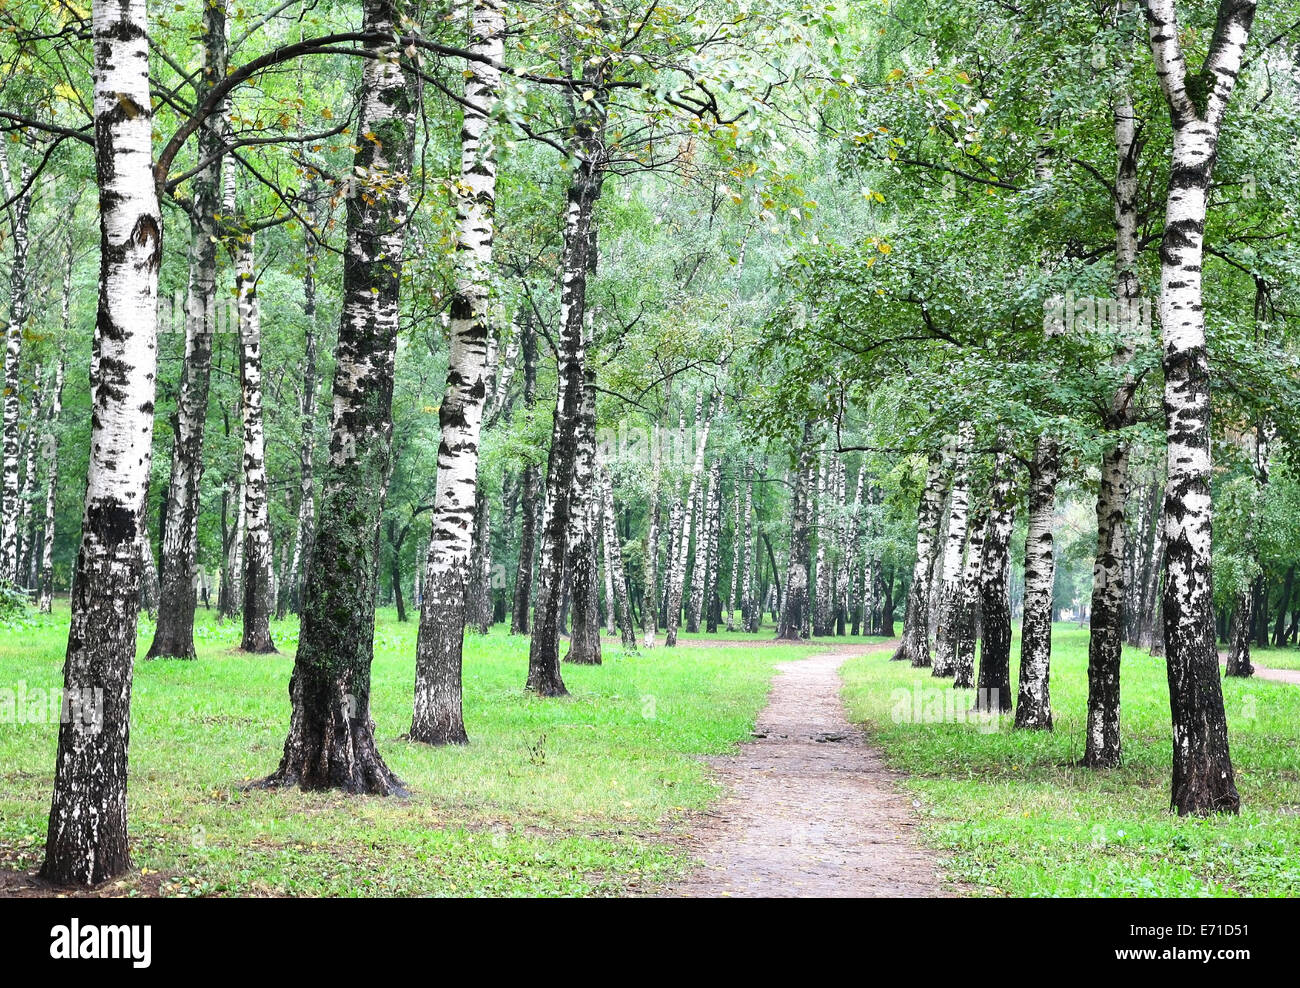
(812, 809)
(1264, 672)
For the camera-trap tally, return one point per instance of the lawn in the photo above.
(1287, 657)
(1016, 816)
(552, 797)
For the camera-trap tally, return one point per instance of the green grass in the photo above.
(1287, 657)
(552, 797)
(1017, 817)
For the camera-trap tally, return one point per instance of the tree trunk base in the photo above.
(324, 765)
(1033, 720)
(330, 747)
(992, 700)
(1209, 796)
(546, 685)
(171, 648)
(1101, 760)
(439, 735)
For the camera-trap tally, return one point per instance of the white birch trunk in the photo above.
(751, 608)
(650, 594)
(825, 589)
(10, 516)
(87, 841)
(950, 586)
(622, 609)
(714, 555)
(26, 533)
(915, 645)
(1202, 767)
(964, 667)
(1034, 709)
(703, 550)
(444, 610)
(682, 534)
(257, 596)
(586, 179)
(331, 739)
(174, 635)
(993, 685)
(46, 599)
(306, 521)
(733, 591)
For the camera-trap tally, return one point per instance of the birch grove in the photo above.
(955, 343)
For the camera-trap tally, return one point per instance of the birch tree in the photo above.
(1034, 709)
(971, 586)
(682, 533)
(331, 739)
(751, 608)
(737, 548)
(437, 717)
(528, 490)
(1202, 767)
(87, 838)
(257, 571)
(19, 228)
(174, 633)
(950, 585)
(1105, 638)
(993, 687)
(45, 600)
(794, 608)
(650, 595)
(586, 179)
(26, 493)
(306, 519)
(714, 551)
(915, 644)
(824, 598)
(614, 563)
(584, 641)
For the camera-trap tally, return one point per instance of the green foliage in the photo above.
(14, 605)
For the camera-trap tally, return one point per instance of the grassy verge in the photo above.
(564, 797)
(1016, 816)
(1287, 657)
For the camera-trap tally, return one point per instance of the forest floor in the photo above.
(811, 810)
(1014, 813)
(578, 796)
(590, 795)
